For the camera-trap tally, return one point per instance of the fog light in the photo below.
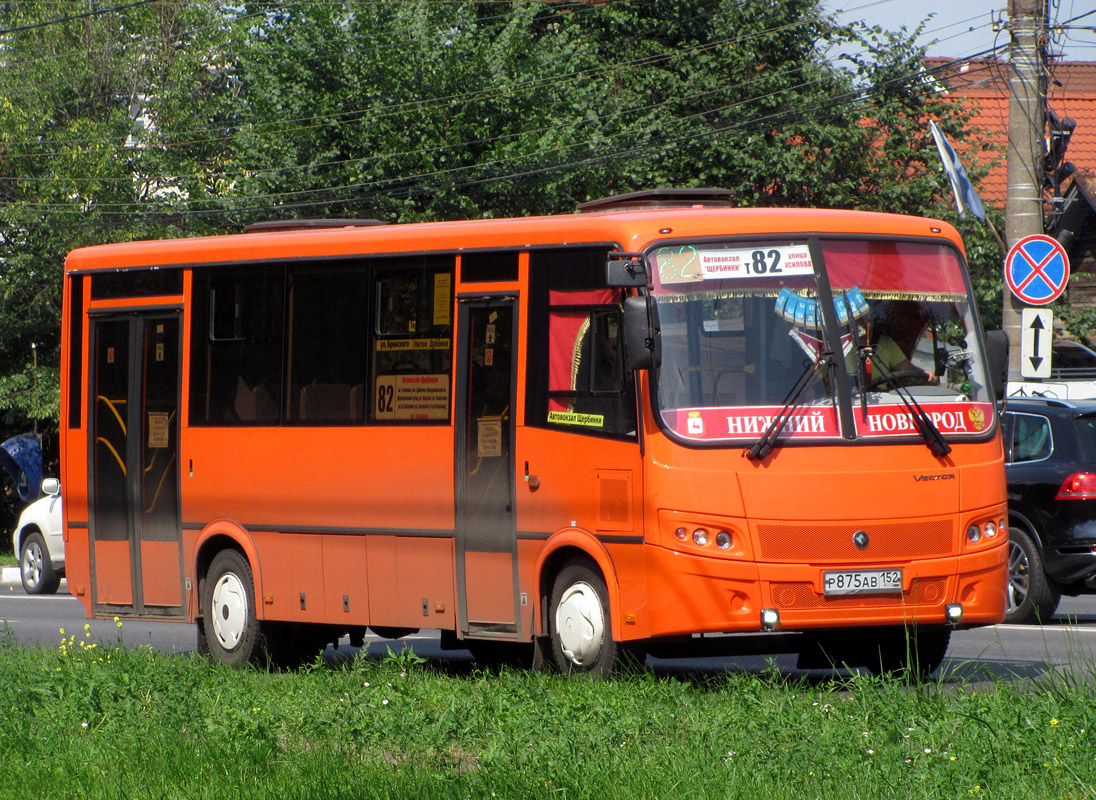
(723, 540)
(991, 529)
(953, 612)
(700, 536)
(770, 618)
(681, 534)
(974, 533)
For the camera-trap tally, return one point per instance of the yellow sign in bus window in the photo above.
(412, 397)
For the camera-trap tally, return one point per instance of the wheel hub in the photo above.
(32, 564)
(229, 610)
(1018, 576)
(580, 623)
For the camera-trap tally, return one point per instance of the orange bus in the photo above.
(644, 427)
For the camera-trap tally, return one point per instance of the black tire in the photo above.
(232, 630)
(911, 651)
(35, 568)
(579, 624)
(1032, 598)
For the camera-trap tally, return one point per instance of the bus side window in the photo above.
(575, 367)
(412, 341)
(236, 347)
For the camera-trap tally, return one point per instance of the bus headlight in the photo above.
(723, 540)
(700, 536)
(974, 534)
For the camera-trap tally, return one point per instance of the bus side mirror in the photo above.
(642, 338)
(997, 356)
(626, 270)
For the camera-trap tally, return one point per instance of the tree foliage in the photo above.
(165, 118)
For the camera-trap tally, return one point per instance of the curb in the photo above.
(9, 578)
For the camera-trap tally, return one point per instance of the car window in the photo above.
(1073, 357)
(1031, 440)
(1086, 438)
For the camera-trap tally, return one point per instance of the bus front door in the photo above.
(136, 562)
(486, 539)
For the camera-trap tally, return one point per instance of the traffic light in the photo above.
(1057, 168)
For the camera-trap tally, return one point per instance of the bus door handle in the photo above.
(533, 481)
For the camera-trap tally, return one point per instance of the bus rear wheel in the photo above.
(579, 625)
(233, 634)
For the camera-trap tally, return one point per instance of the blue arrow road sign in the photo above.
(1037, 270)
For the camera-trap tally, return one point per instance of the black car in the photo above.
(1072, 361)
(1050, 455)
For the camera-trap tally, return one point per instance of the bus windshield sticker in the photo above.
(573, 418)
(820, 422)
(950, 419)
(686, 264)
(412, 397)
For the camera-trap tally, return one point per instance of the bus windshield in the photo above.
(745, 334)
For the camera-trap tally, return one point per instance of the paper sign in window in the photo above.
(159, 429)
(443, 283)
(489, 438)
(411, 397)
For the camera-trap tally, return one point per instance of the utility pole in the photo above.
(1026, 126)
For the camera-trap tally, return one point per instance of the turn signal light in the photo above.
(1078, 486)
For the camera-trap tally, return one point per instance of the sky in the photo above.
(964, 28)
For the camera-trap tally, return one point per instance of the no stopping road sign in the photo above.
(1037, 269)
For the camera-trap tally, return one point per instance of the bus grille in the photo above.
(804, 596)
(833, 542)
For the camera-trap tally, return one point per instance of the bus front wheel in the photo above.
(579, 622)
(232, 630)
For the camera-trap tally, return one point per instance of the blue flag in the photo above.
(966, 198)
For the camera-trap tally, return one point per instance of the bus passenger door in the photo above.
(486, 541)
(136, 561)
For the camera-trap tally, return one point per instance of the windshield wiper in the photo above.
(765, 444)
(921, 421)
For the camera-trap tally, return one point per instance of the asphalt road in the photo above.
(1067, 643)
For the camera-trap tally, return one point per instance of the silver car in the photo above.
(39, 542)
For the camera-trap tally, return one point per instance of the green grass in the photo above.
(86, 721)
(8, 560)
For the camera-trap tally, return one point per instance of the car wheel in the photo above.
(35, 567)
(1031, 597)
(232, 630)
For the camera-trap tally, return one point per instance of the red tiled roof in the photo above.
(982, 87)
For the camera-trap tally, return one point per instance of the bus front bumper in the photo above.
(710, 595)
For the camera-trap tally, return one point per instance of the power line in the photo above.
(74, 17)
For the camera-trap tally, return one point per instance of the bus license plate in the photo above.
(862, 581)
